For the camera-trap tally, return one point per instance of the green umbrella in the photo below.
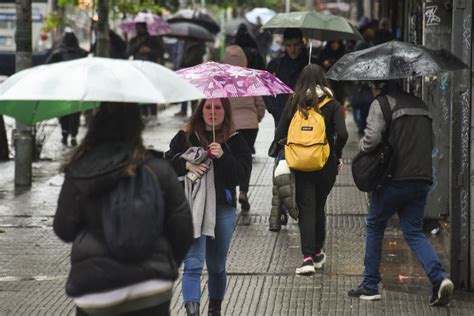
(315, 25)
(32, 112)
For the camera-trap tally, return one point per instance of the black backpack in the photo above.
(133, 214)
(372, 169)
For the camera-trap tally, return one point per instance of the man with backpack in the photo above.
(405, 189)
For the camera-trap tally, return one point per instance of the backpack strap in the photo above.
(326, 100)
(387, 115)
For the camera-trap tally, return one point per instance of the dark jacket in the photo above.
(78, 219)
(117, 46)
(287, 70)
(154, 43)
(68, 49)
(229, 171)
(411, 135)
(336, 131)
(250, 48)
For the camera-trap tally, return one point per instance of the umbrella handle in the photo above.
(213, 123)
(310, 50)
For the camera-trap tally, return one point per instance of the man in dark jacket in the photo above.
(405, 192)
(287, 68)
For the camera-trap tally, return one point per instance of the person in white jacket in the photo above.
(247, 112)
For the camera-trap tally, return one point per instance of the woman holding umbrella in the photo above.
(225, 160)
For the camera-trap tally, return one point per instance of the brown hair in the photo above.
(197, 125)
(305, 95)
(115, 122)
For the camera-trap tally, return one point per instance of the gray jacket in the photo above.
(201, 193)
(411, 135)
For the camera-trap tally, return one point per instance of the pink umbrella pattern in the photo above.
(217, 80)
(155, 24)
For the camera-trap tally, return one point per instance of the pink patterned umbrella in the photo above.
(217, 80)
(154, 23)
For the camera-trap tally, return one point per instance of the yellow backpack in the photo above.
(307, 147)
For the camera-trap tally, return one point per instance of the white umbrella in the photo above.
(99, 79)
(265, 14)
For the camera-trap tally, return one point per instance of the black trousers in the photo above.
(70, 124)
(250, 135)
(312, 190)
(160, 310)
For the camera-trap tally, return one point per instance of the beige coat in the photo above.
(246, 111)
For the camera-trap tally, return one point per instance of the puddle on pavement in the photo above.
(400, 268)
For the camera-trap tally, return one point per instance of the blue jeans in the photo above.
(214, 251)
(408, 199)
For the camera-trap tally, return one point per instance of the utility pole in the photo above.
(287, 6)
(103, 28)
(23, 138)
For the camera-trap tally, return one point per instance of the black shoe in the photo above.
(214, 307)
(244, 202)
(274, 223)
(319, 260)
(64, 141)
(442, 293)
(192, 308)
(73, 142)
(365, 294)
(307, 268)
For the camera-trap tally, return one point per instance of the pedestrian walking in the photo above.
(404, 191)
(211, 181)
(332, 51)
(102, 280)
(312, 92)
(146, 47)
(247, 113)
(188, 53)
(68, 49)
(287, 68)
(249, 46)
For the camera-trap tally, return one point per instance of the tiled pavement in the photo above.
(34, 263)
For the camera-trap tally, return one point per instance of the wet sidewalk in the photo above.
(261, 264)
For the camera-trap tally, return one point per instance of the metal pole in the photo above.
(23, 139)
(310, 50)
(287, 6)
(461, 201)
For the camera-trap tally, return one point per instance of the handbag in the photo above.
(372, 169)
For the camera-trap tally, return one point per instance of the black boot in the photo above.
(214, 307)
(192, 308)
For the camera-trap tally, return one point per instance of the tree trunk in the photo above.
(103, 28)
(23, 138)
(3, 140)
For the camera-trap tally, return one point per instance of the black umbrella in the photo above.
(187, 30)
(231, 27)
(393, 60)
(196, 17)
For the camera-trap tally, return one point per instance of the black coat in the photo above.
(287, 70)
(229, 171)
(78, 219)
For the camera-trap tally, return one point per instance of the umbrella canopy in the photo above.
(90, 79)
(265, 14)
(155, 24)
(231, 27)
(188, 30)
(217, 80)
(196, 17)
(393, 60)
(315, 25)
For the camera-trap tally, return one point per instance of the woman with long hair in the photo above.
(227, 160)
(99, 281)
(312, 188)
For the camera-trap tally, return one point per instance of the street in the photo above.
(34, 263)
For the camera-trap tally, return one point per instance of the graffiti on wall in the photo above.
(431, 19)
(465, 128)
(466, 37)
